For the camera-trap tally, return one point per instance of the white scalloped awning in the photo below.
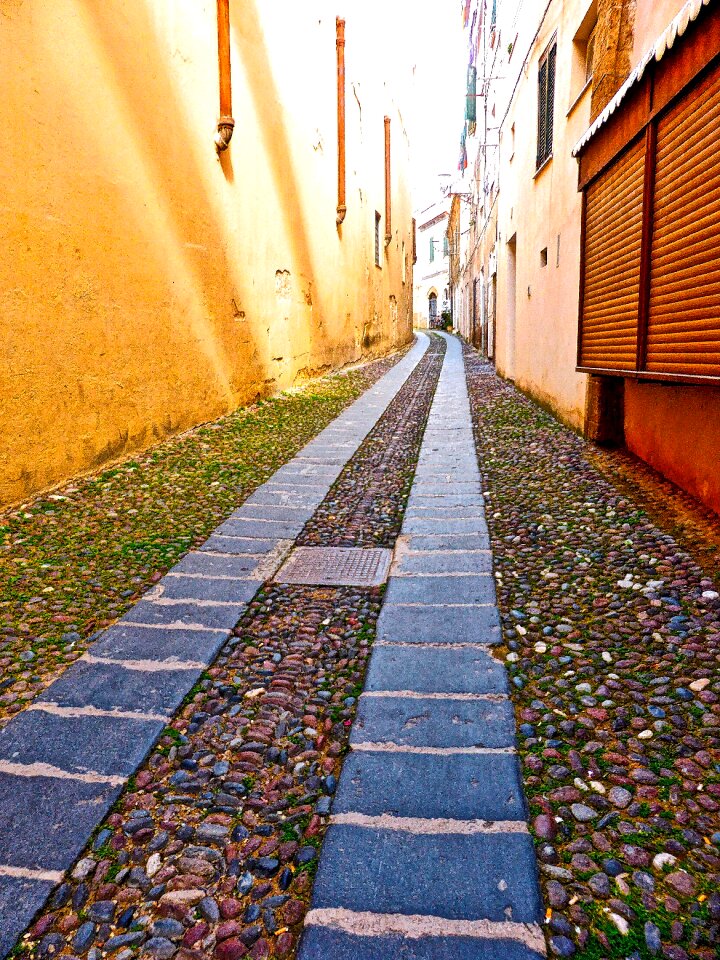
(665, 41)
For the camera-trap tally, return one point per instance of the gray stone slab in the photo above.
(107, 745)
(125, 641)
(182, 614)
(450, 541)
(109, 687)
(262, 529)
(209, 565)
(47, 821)
(440, 501)
(462, 786)
(401, 624)
(460, 877)
(209, 588)
(20, 900)
(442, 485)
(240, 545)
(323, 943)
(449, 562)
(435, 670)
(267, 511)
(284, 496)
(413, 722)
(444, 525)
(441, 590)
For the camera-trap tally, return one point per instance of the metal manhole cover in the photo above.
(336, 566)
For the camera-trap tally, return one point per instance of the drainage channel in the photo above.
(211, 849)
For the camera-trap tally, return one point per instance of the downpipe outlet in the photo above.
(223, 136)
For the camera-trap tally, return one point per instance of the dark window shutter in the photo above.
(552, 57)
(542, 112)
(471, 102)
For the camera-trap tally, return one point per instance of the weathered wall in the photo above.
(613, 59)
(145, 284)
(536, 331)
(676, 429)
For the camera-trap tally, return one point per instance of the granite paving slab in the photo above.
(459, 786)
(395, 871)
(323, 942)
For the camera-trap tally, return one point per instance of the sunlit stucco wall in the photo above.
(538, 247)
(145, 284)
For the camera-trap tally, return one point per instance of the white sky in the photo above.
(437, 45)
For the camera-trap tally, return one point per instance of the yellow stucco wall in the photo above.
(145, 284)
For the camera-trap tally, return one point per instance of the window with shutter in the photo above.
(546, 104)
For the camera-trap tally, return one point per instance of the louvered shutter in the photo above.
(552, 57)
(611, 283)
(471, 100)
(542, 112)
(683, 334)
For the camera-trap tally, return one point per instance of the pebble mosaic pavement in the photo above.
(604, 638)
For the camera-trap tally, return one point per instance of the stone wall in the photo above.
(613, 50)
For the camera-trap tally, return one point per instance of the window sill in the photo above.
(579, 97)
(546, 162)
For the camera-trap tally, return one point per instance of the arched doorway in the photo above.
(432, 310)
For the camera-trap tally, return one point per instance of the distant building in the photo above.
(629, 92)
(432, 269)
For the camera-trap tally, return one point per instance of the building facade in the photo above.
(151, 281)
(543, 78)
(432, 269)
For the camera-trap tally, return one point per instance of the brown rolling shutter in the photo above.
(684, 317)
(611, 282)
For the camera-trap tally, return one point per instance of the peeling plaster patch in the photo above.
(146, 666)
(389, 747)
(48, 770)
(420, 825)
(25, 873)
(54, 708)
(414, 926)
(418, 695)
(177, 625)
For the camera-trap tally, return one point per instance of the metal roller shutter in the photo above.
(611, 280)
(683, 335)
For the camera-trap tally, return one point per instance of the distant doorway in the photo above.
(432, 311)
(511, 300)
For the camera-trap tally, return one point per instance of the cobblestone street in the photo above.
(510, 750)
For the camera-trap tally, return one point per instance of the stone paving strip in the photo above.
(428, 853)
(63, 763)
(611, 636)
(75, 559)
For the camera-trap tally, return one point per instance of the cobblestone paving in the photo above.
(211, 850)
(74, 560)
(611, 634)
(362, 509)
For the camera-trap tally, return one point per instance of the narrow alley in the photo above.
(360, 480)
(211, 842)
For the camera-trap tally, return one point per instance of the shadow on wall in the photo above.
(138, 58)
(255, 62)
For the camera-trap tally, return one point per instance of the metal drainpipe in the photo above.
(388, 189)
(225, 124)
(340, 46)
